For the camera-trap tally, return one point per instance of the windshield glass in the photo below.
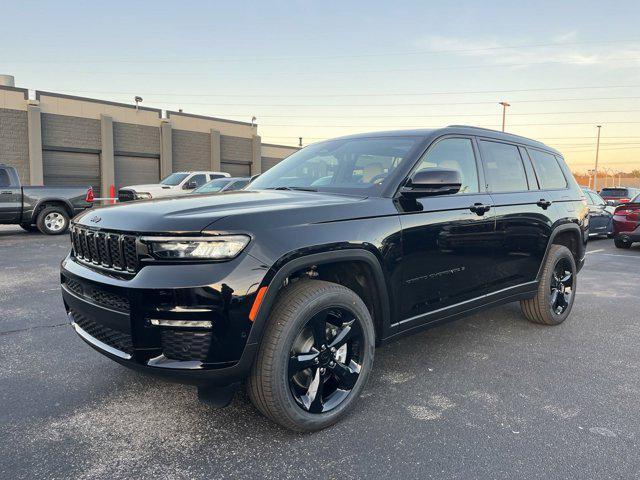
(174, 179)
(213, 186)
(354, 166)
(614, 192)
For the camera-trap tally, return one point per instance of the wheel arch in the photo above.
(381, 313)
(51, 202)
(570, 236)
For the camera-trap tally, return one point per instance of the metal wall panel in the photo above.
(136, 171)
(71, 169)
(268, 162)
(236, 169)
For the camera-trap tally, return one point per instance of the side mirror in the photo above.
(189, 185)
(433, 181)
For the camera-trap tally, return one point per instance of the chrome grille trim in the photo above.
(115, 251)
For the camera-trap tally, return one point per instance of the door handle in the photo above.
(480, 208)
(543, 203)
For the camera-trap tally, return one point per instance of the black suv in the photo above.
(345, 245)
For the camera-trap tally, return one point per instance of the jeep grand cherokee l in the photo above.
(347, 244)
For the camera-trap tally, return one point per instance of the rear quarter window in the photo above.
(548, 170)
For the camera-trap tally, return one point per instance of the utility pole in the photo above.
(504, 112)
(595, 174)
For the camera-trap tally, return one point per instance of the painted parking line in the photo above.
(595, 251)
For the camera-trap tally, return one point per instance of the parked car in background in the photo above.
(291, 282)
(178, 183)
(626, 223)
(47, 209)
(600, 214)
(617, 195)
(220, 185)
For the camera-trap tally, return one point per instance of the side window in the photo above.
(591, 200)
(503, 167)
(200, 179)
(597, 199)
(5, 181)
(549, 172)
(456, 153)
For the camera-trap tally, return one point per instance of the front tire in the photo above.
(315, 356)
(53, 220)
(556, 291)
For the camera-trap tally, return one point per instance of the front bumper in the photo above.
(114, 316)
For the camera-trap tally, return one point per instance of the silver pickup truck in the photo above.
(43, 208)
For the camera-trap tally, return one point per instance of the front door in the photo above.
(445, 239)
(10, 198)
(599, 217)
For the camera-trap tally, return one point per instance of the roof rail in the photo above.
(495, 131)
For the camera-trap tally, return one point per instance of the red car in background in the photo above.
(617, 195)
(626, 223)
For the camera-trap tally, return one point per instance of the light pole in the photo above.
(504, 112)
(595, 174)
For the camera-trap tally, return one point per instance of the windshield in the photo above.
(614, 192)
(174, 179)
(355, 166)
(213, 186)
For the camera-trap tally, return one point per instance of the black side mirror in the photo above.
(190, 185)
(433, 181)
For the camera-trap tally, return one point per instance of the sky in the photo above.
(328, 68)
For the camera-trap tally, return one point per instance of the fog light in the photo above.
(182, 323)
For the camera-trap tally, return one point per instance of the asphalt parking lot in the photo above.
(493, 396)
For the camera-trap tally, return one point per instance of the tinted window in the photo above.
(549, 172)
(353, 165)
(455, 153)
(503, 167)
(237, 185)
(615, 192)
(5, 181)
(597, 199)
(588, 197)
(200, 179)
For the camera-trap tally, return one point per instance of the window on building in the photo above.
(503, 167)
(457, 154)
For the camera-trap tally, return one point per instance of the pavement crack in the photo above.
(20, 330)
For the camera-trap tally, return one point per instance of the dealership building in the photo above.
(56, 139)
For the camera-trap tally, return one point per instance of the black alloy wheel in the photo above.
(561, 287)
(326, 360)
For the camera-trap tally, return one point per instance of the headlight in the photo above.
(221, 247)
(143, 195)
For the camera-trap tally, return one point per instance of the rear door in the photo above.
(599, 218)
(522, 213)
(445, 239)
(10, 198)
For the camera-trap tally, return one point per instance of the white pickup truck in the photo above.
(178, 183)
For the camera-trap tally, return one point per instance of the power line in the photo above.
(326, 95)
(318, 57)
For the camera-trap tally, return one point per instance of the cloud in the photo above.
(563, 49)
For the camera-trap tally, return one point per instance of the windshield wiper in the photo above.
(302, 189)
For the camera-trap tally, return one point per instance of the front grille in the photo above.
(99, 296)
(181, 345)
(114, 338)
(110, 250)
(126, 195)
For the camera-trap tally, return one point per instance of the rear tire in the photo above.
(622, 242)
(556, 291)
(53, 220)
(271, 384)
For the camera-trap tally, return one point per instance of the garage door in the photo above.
(236, 169)
(136, 171)
(71, 169)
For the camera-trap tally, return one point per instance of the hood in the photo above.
(193, 213)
